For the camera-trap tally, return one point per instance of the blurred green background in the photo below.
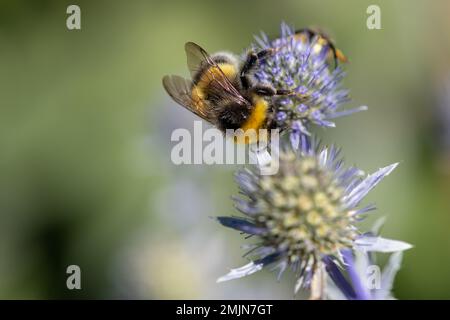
(85, 128)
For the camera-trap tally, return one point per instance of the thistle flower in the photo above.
(305, 213)
(301, 65)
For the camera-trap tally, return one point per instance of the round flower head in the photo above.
(305, 212)
(303, 65)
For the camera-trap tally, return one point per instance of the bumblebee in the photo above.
(320, 39)
(223, 91)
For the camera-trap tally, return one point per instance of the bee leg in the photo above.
(287, 92)
(248, 65)
(269, 91)
(265, 53)
(284, 92)
(264, 90)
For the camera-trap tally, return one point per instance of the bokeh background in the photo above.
(85, 128)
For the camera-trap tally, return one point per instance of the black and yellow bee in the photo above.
(223, 91)
(321, 40)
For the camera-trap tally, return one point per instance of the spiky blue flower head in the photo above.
(303, 65)
(305, 212)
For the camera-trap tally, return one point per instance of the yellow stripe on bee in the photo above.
(257, 117)
(227, 69)
(199, 90)
(302, 37)
(256, 121)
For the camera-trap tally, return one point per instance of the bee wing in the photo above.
(180, 90)
(220, 87)
(197, 58)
